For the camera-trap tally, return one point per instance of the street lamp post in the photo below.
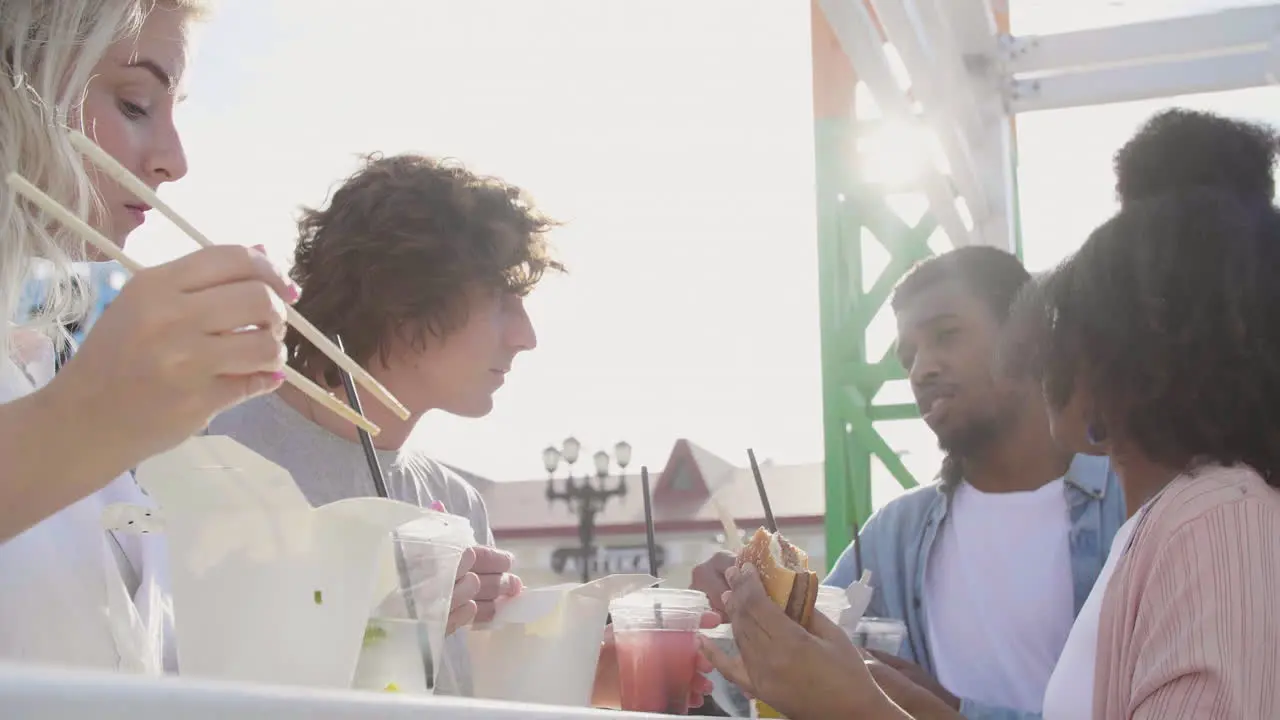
(587, 495)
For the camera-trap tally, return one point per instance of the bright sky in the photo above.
(674, 137)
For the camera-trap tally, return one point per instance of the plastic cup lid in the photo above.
(670, 598)
(438, 527)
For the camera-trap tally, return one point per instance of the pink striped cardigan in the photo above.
(1190, 623)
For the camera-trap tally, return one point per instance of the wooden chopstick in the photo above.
(37, 196)
(120, 174)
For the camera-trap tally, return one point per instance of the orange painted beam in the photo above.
(833, 77)
(1000, 8)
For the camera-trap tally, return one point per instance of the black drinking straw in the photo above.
(648, 522)
(366, 441)
(380, 485)
(769, 520)
(649, 537)
(857, 551)
(857, 532)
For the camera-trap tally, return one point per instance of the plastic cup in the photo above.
(453, 674)
(669, 597)
(884, 635)
(722, 637)
(656, 634)
(727, 695)
(404, 638)
(832, 602)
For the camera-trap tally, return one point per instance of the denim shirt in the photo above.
(103, 281)
(897, 540)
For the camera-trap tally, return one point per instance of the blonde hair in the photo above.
(47, 55)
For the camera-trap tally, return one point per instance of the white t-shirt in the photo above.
(1069, 695)
(72, 593)
(998, 594)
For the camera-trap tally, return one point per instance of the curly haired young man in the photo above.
(421, 267)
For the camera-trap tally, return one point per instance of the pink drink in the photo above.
(655, 669)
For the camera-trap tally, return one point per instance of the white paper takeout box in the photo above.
(267, 588)
(543, 645)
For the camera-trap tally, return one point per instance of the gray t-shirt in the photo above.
(329, 468)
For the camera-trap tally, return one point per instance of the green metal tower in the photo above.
(851, 214)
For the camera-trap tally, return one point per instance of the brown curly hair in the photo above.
(399, 247)
(1169, 317)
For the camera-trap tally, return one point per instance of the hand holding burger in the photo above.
(791, 657)
(784, 572)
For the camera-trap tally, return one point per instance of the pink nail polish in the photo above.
(278, 376)
(436, 505)
(292, 293)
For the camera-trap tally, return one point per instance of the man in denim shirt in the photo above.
(989, 566)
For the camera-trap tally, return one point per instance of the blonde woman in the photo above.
(162, 360)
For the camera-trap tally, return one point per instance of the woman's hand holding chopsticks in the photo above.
(182, 342)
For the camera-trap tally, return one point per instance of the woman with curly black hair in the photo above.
(1158, 344)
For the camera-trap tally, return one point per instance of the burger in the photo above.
(784, 571)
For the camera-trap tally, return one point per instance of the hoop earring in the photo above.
(1095, 433)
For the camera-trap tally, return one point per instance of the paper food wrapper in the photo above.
(543, 645)
(265, 587)
(859, 596)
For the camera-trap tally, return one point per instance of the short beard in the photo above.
(980, 434)
(963, 445)
(976, 436)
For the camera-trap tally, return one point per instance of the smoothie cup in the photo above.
(656, 634)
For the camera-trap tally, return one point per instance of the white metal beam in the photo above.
(1238, 30)
(968, 31)
(949, 50)
(941, 106)
(1141, 82)
(1225, 50)
(859, 37)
